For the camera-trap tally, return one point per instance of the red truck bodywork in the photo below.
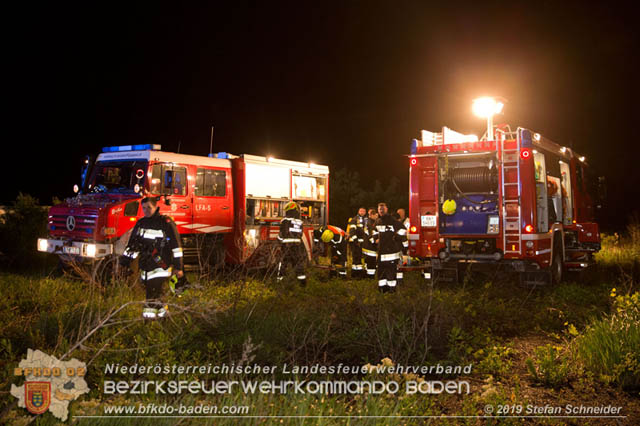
(511, 213)
(206, 196)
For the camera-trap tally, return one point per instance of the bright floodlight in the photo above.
(486, 107)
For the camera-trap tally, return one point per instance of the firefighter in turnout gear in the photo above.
(290, 237)
(403, 245)
(155, 242)
(390, 232)
(369, 246)
(355, 231)
(337, 239)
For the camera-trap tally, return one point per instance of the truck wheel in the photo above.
(557, 268)
(217, 256)
(211, 256)
(103, 270)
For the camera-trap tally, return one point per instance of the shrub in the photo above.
(610, 347)
(549, 368)
(495, 360)
(20, 228)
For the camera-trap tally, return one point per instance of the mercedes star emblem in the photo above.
(71, 223)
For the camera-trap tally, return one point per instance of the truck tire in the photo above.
(557, 266)
(103, 270)
(212, 254)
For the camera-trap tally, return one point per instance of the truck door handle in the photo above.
(184, 207)
(225, 207)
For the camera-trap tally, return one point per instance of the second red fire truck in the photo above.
(520, 199)
(226, 207)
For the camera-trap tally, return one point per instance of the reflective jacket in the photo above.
(155, 242)
(389, 233)
(290, 230)
(370, 247)
(355, 229)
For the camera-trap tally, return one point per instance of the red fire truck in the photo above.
(520, 199)
(224, 205)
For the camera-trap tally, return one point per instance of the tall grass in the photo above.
(610, 347)
(621, 249)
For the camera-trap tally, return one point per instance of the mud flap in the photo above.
(444, 272)
(535, 278)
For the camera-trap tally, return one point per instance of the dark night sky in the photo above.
(345, 83)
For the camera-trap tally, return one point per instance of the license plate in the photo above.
(71, 250)
(428, 221)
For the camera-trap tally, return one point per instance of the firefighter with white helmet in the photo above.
(290, 237)
(155, 242)
(336, 238)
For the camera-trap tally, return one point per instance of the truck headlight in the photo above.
(90, 250)
(43, 244)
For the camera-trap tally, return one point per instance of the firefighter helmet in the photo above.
(327, 236)
(291, 206)
(449, 207)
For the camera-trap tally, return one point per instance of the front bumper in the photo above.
(75, 248)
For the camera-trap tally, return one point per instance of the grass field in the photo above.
(576, 343)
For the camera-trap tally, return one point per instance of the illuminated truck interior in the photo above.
(117, 177)
(471, 182)
(308, 191)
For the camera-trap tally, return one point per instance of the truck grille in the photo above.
(77, 223)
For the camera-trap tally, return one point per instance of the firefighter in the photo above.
(389, 233)
(337, 239)
(155, 242)
(355, 231)
(403, 245)
(402, 217)
(290, 237)
(369, 247)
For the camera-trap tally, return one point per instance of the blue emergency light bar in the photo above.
(525, 138)
(122, 148)
(224, 155)
(414, 146)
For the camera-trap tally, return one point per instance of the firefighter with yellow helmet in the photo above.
(336, 238)
(294, 254)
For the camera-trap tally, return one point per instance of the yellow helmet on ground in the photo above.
(449, 207)
(290, 206)
(327, 236)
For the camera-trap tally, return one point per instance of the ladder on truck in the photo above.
(511, 218)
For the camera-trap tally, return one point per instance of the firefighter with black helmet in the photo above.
(155, 242)
(290, 237)
(355, 231)
(336, 238)
(390, 232)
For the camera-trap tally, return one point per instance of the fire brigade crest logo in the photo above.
(50, 384)
(71, 223)
(37, 396)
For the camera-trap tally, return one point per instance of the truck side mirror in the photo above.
(85, 169)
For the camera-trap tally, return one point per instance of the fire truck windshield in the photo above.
(117, 176)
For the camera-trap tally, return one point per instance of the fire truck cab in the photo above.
(520, 199)
(226, 207)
